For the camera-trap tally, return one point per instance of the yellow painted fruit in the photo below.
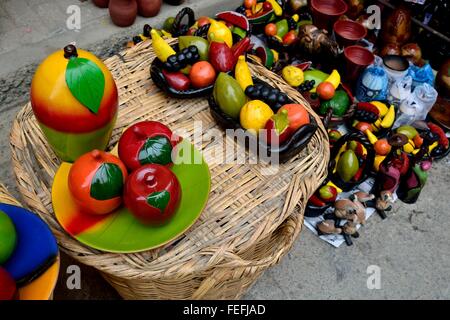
(381, 107)
(377, 161)
(255, 114)
(293, 75)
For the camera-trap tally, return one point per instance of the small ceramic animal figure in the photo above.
(316, 41)
(384, 201)
(353, 209)
(328, 227)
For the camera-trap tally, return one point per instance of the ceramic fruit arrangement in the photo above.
(266, 112)
(261, 12)
(373, 118)
(100, 182)
(192, 71)
(27, 250)
(322, 199)
(352, 160)
(75, 101)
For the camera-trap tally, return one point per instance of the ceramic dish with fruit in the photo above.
(145, 193)
(352, 158)
(372, 118)
(261, 12)
(330, 98)
(29, 258)
(321, 200)
(279, 125)
(189, 69)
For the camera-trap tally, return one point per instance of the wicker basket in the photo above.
(249, 224)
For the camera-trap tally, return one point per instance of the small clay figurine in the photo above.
(315, 41)
(353, 209)
(328, 227)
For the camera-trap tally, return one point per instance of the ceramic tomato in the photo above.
(152, 193)
(74, 98)
(96, 182)
(7, 285)
(147, 142)
(297, 115)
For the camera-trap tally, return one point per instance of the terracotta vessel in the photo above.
(123, 12)
(101, 3)
(149, 8)
(397, 27)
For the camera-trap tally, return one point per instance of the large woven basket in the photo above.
(251, 219)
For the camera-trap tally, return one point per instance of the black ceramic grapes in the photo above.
(272, 96)
(307, 85)
(365, 116)
(180, 60)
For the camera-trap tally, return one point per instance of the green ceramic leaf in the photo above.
(86, 82)
(107, 182)
(159, 200)
(156, 150)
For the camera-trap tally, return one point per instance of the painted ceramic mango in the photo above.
(8, 237)
(96, 181)
(74, 98)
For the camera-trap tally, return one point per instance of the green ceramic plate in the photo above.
(119, 231)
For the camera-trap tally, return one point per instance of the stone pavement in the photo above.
(412, 247)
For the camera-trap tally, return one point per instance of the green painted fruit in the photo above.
(8, 237)
(408, 131)
(201, 44)
(229, 95)
(347, 165)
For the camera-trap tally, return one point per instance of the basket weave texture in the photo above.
(248, 225)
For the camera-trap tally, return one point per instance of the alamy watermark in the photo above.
(374, 279)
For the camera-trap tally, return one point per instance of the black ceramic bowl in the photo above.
(286, 150)
(160, 81)
(334, 177)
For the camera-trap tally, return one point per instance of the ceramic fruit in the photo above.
(297, 115)
(277, 128)
(202, 74)
(347, 165)
(234, 18)
(229, 95)
(242, 73)
(152, 193)
(268, 94)
(249, 4)
(407, 130)
(382, 147)
(317, 75)
(219, 32)
(339, 103)
(328, 193)
(293, 75)
(177, 80)
(221, 56)
(148, 8)
(8, 237)
(96, 182)
(7, 285)
(334, 135)
(147, 142)
(325, 90)
(74, 98)
(254, 115)
(162, 49)
(240, 48)
(123, 12)
(270, 29)
(201, 44)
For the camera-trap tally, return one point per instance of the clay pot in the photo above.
(123, 12)
(326, 12)
(174, 2)
(348, 32)
(149, 8)
(101, 3)
(357, 58)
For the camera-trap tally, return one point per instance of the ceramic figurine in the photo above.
(315, 41)
(74, 98)
(123, 12)
(353, 209)
(397, 27)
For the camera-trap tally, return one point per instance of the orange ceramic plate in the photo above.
(42, 287)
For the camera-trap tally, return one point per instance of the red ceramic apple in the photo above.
(147, 142)
(152, 194)
(7, 285)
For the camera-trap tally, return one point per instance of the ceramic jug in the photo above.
(372, 84)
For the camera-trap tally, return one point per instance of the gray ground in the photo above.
(411, 247)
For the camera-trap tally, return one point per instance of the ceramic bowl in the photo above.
(348, 32)
(357, 58)
(396, 66)
(326, 12)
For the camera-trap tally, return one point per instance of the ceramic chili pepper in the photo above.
(152, 193)
(74, 98)
(177, 80)
(147, 142)
(240, 48)
(96, 182)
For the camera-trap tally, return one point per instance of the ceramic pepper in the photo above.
(75, 101)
